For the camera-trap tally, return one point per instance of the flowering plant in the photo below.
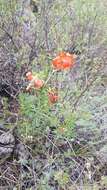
(63, 61)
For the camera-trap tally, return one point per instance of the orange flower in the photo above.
(29, 76)
(61, 129)
(53, 97)
(34, 81)
(38, 83)
(64, 61)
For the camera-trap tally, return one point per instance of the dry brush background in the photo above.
(33, 155)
